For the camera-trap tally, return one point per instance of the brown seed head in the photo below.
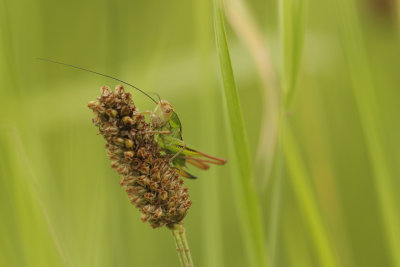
(149, 181)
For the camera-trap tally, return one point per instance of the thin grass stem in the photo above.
(365, 95)
(16, 138)
(179, 246)
(242, 21)
(182, 234)
(305, 195)
(276, 203)
(213, 255)
(292, 26)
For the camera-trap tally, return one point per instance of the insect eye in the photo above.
(168, 110)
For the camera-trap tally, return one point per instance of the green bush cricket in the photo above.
(169, 137)
(168, 132)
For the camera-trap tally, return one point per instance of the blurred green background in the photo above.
(60, 202)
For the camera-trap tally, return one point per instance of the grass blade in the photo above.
(365, 95)
(213, 252)
(307, 201)
(16, 139)
(248, 204)
(292, 24)
(242, 21)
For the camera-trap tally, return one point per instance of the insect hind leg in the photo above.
(178, 153)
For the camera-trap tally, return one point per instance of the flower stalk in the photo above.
(182, 245)
(182, 234)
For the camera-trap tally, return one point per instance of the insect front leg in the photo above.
(148, 112)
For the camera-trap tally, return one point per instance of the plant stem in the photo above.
(179, 246)
(306, 197)
(185, 244)
(247, 200)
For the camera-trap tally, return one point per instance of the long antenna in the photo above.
(98, 73)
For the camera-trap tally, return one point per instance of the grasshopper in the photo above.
(169, 137)
(167, 130)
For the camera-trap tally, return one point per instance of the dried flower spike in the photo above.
(151, 184)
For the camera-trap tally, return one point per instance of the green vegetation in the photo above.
(317, 81)
(247, 202)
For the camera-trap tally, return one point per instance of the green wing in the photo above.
(175, 126)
